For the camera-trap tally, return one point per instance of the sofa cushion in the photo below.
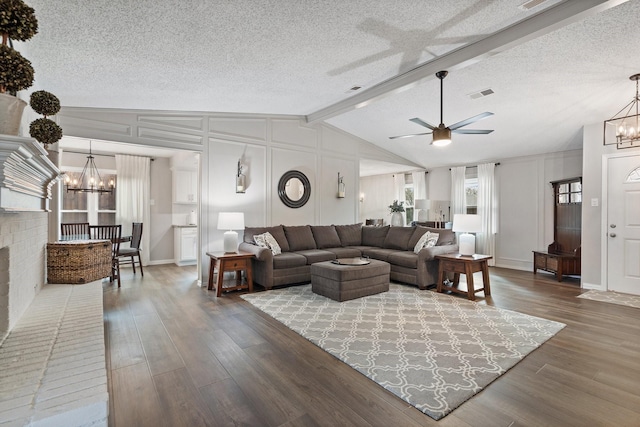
(317, 255)
(288, 260)
(276, 231)
(374, 236)
(446, 236)
(345, 252)
(300, 237)
(404, 259)
(378, 253)
(350, 235)
(325, 236)
(398, 238)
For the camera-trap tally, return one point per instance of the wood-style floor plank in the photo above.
(178, 355)
(135, 402)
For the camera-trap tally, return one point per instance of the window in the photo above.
(471, 190)
(408, 197)
(94, 208)
(569, 192)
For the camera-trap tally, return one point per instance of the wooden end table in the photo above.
(230, 261)
(468, 265)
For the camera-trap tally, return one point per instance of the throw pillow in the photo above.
(259, 240)
(266, 240)
(428, 240)
(273, 244)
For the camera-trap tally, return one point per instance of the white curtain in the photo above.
(398, 190)
(458, 198)
(419, 189)
(132, 197)
(398, 187)
(488, 210)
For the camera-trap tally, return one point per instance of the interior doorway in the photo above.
(623, 224)
(165, 211)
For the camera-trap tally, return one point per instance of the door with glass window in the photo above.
(623, 224)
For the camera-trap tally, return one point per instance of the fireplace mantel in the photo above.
(26, 175)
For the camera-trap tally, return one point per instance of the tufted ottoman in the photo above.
(342, 282)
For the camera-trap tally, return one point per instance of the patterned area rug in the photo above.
(612, 297)
(434, 351)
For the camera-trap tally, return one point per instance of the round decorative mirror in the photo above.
(294, 189)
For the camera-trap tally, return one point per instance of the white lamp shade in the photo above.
(466, 223)
(422, 204)
(230, 221)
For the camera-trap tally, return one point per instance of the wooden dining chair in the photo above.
(74, 231)
(113, 233)
(126, 255)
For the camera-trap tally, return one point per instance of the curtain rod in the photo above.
(106, 155)
(497, 164)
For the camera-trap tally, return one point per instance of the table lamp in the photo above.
(230, 221)
(422, 205)
(467, 224)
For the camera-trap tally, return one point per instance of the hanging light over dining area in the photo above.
(90, 180)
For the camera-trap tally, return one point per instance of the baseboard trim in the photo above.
(592, 286)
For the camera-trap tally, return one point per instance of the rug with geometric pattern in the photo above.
(432, 350)
(612, 298)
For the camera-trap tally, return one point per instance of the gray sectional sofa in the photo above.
(307, 244)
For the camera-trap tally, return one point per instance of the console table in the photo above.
(468, 265)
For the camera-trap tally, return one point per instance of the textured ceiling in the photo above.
(297, 57)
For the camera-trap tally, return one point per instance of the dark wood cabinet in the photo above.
(563, 255)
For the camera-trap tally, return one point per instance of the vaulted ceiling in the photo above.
(552, 68)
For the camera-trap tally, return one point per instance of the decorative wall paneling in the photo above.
(269, 144)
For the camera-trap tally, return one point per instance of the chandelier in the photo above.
(625, 125)
(90, 180)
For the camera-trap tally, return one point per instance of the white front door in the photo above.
(623, 224)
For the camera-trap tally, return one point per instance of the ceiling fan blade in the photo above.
(470, 120)
(422, 123)
(409, 136)
(472, 131)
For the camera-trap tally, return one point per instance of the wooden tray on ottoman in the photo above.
(78, 261)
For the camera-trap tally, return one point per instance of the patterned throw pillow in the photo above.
(272, 243)
(266, 240)
(428, 240)
(259, 239)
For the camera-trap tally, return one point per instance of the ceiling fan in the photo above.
(442, 133)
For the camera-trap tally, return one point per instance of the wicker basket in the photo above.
(78, 261)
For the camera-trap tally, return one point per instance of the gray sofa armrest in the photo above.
(261, 254)
(261, 264)
(427, 254)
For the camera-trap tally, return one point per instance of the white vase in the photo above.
(11, 109)
(397, 220)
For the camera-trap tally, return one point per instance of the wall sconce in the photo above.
(240, 180)
(340, 186)
(361, 197)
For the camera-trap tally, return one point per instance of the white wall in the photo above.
(378, 193)
(526, 202)
(161, 237)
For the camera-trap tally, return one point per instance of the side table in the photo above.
(468, 265)
(230, 261)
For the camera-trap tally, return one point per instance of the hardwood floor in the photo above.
(179, 356)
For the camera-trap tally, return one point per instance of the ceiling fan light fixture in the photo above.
(441, 136)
